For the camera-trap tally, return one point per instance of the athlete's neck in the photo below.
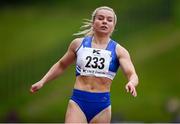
(100, 40)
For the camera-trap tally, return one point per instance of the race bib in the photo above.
(95, 61)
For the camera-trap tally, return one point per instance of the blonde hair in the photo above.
(86, 28)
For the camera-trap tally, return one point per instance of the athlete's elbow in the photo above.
(61, 65)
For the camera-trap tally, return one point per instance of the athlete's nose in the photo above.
(104, 21)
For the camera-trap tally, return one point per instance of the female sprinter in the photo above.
(97, 59)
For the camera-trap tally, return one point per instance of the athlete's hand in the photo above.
(131, 88)
(35, 87)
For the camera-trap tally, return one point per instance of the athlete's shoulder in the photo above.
(76, 43)
(121, 50)
(77, 40)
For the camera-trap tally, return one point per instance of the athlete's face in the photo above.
(104, 22)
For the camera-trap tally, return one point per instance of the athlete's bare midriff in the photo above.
(93, 84)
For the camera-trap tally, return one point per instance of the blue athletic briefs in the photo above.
(91, 103)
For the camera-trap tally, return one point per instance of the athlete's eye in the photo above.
(100, 18)
(110, 19)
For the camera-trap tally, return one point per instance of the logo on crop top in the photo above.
(96, 51)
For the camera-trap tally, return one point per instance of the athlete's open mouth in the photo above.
(104, 27)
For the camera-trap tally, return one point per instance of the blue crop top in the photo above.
(96, 62)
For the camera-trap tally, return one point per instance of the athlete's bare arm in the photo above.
(128, 69)
(59, 67)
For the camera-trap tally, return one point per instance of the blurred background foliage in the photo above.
(34, 34)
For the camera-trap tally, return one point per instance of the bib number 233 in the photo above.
(95, 62)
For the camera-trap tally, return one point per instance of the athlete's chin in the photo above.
(103, 32)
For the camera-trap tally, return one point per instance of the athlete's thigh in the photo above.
(74, 114)
(103, 117)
